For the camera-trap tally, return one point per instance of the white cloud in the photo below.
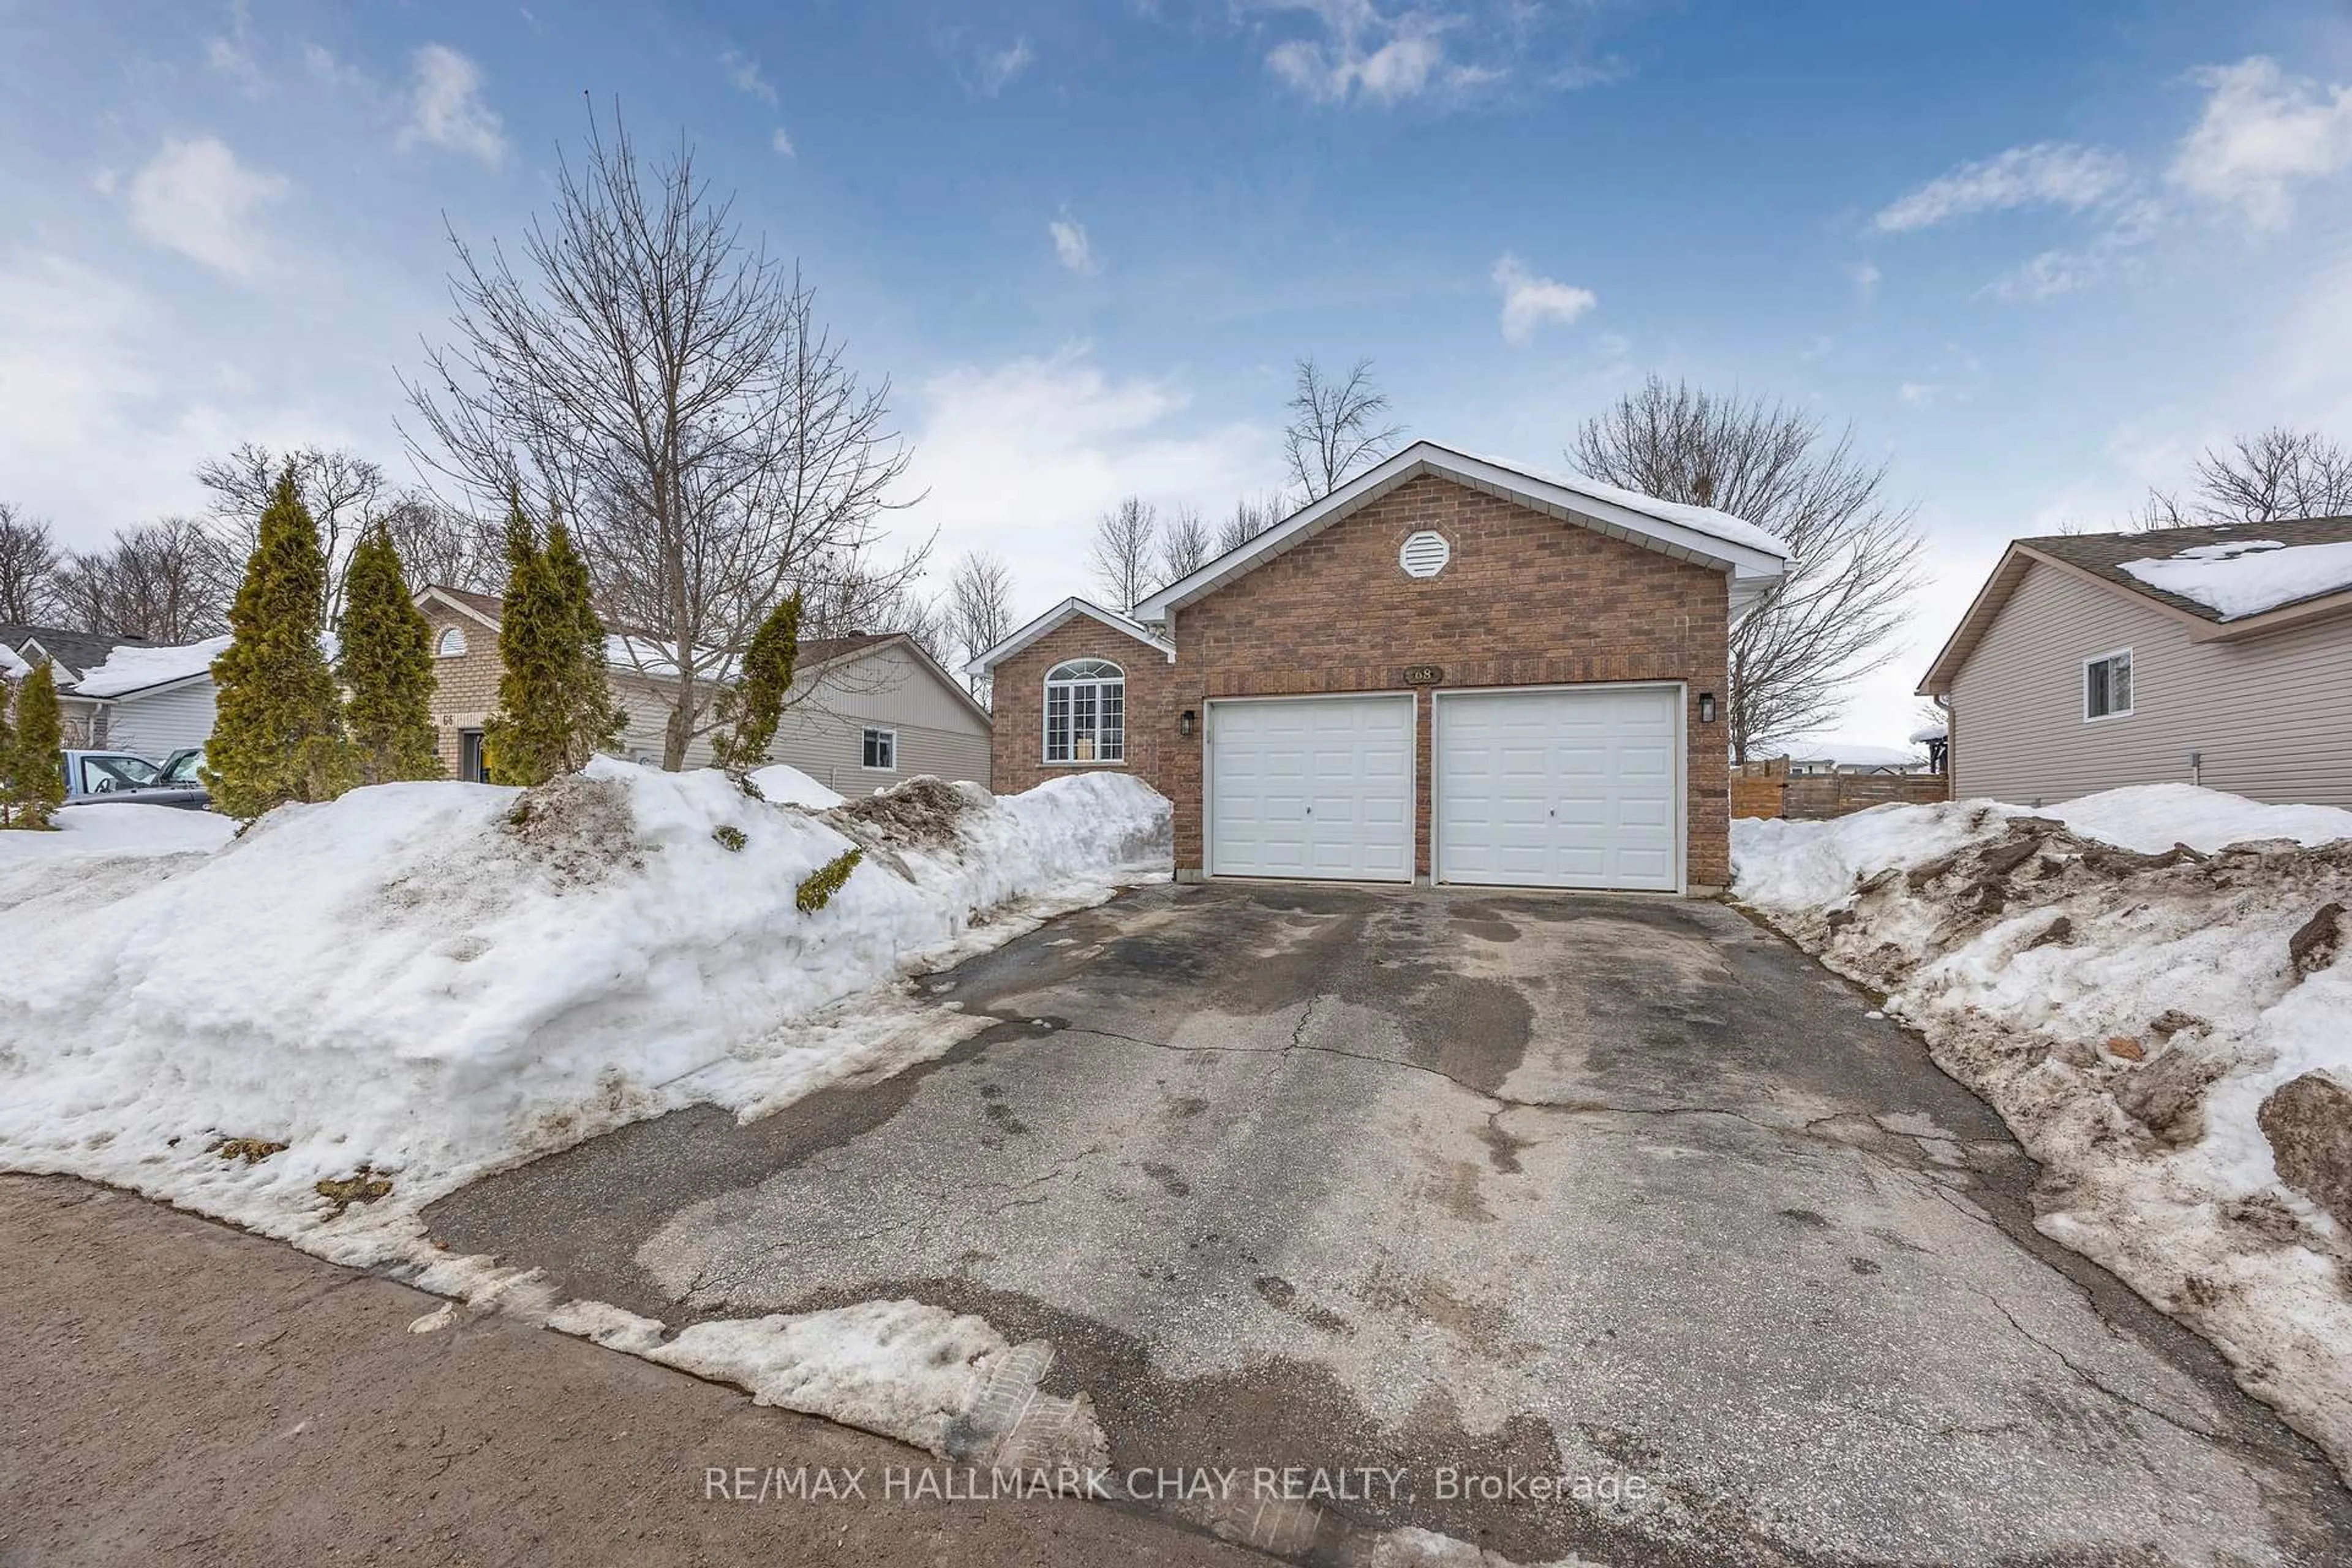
(999, 66)
(782, 144)
(1866, 277)
(1071, 247)
(194, 197)
(1918, 393)
(1529, 301)
(1364, 54)
(446, 108)
(1019, 458)
(232, 55)
(2262, 130)
(744, 72)
(2048, 174)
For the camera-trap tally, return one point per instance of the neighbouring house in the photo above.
(1451, 668)
(2213, 656)
(118, 693)
(865, 711)
(1817, 758)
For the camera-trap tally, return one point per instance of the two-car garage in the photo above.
(1547, 787)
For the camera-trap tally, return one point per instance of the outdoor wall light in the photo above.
(1184, 724)
(1706, 707)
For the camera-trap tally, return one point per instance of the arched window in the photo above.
(452, 644)
(1086, 711)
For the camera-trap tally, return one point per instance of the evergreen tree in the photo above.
(593, 721)
(386, 664)
(524, 742)
(750, 710)
(36, 774)
(7, 750)
(278, 735)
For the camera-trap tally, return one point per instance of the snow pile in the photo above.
(113, 844)
(787, 785)
(416, 983)
(2247, 577)
(2127, 977)
(134, 669)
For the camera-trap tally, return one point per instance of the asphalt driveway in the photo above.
(1624, 1193)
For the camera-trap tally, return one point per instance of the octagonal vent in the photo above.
(1424, 554)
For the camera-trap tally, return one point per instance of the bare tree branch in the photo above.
(1249, 518)
(1336, 429)
(667, 384)
(28, 566)
(1122, 553)
(2279, 474)
(979, 608)
(1183, 543)
(1856, 556)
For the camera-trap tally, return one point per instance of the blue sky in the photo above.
(2035, 254)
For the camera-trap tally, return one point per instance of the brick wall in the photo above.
(464, 688)
(1526, 600)
(1019, 703)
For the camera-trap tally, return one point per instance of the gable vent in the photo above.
(1424, 554)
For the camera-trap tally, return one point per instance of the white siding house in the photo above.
(2071, 673)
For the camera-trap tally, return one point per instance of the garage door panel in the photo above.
(1311, 788)
(1558, 788)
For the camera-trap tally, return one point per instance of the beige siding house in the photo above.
(866, 710)
(2073, 672)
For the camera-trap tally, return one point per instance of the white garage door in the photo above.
(1311, 786)
(1559, 789)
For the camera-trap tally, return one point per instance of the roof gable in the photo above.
(820, 655)
(2099, 558)
(1061, 616)
(1753, 558)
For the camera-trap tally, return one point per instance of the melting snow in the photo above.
(2248, 576)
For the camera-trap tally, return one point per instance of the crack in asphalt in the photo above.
(2091, 1380)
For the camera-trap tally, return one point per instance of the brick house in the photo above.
(865, 711)
(1450, 670)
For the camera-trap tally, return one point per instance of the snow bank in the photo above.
(787, 785)
(420, 981)
(100, 852)
(130, 668)
(2127, 1005)
(2246, 577)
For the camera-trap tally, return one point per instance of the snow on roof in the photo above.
(647, 656)
(132, 668)
(12, 666)
(1855, 754)
(1703, 520)
(2246, 577)
(1927, 733)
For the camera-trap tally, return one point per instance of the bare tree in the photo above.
(1249, 518)
(158, 582)
(1854, 559)
(28, 566)
(2282, 473)
(1122, 553)
(1336, 428)
(979, 608)
(1183, 543)
(667, 384)
(444, 545)
(346, 493)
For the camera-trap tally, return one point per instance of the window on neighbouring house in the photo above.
(882, 750)
(1086, 712)
(2107, 686)
(452, 644)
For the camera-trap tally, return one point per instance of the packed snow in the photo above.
(2114, 975)
(100, 852)
(417, 982)
(131, 668)
(787, 785)
(2247, 577)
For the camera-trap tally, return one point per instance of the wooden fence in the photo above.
(1768, 789)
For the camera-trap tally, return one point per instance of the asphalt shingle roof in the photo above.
(78, 651)
(2103, 554)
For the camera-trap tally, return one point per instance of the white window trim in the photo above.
(876, 730)
(1046, 714)
(2083, 676)
(441, 649)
